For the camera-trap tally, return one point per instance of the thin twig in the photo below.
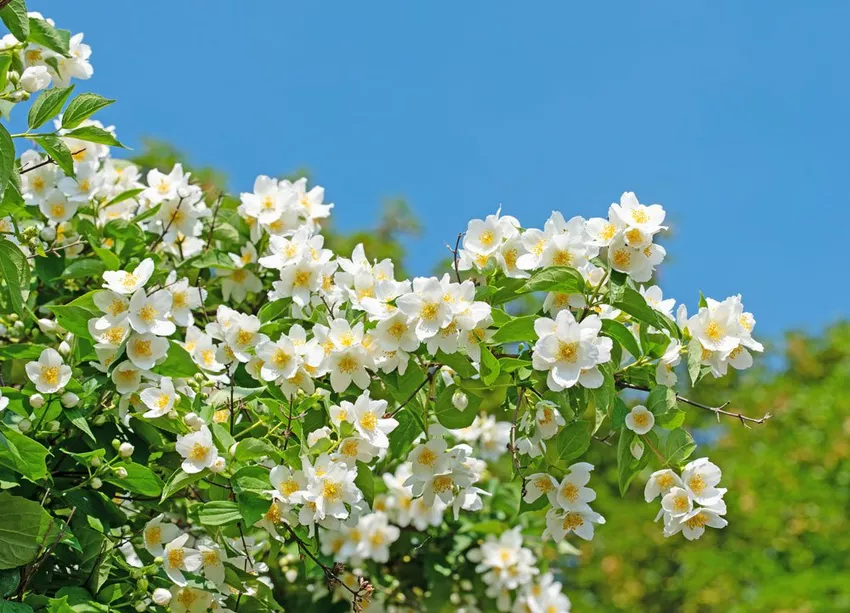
(49, 160)
(245, 546)
(329, 573)
(718, 411)
(455, 253)
(165, 230)
(215, 216)
(416, 391)
(512, 445)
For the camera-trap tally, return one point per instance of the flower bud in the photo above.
(292, 575)
(24, 425)
(172, 414)
(64, 348)
(46, 325)
(36, 401)
(636, 448)
(69, 400)
(193, 421)
(120, 472)
(96, 461)
(125, 450)
(460, 400)
(35, 78)
(141, 606)
(232, 450)
(142, 584)
(48, 233)
(53, 426)
(96, 483)
(116, 444)
(218, 465)
(161, 596)
(99, 420)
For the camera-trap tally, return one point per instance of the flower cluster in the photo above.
(271, 400)
(689, 502)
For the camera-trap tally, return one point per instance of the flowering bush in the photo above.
(204, 408)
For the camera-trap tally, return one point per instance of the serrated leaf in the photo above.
(679, 446)
(516, 330)
(47, 105)
(572, 441)
(178, 480)
(58, 152)
(14, 15)
(94, 134)
(73, 318)
(46, 35)
(15, 271)
(22, 531)
(81, 108)
(219, 513)
(7, 159)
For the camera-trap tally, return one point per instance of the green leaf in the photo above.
(251, 478)
(109, 259)
(407, 430)
(15, 271)
(178, 363)
(84, 268)
(679, 446)
(46, 35)
(254, 449)
(5, 63)
(516, 330)
(93, 134)
(490, 367)
(15, 17)
(7, 159)
(694, 359)
(633, 303)
(449, 416)
(23, 529)
(252, 507)
(22, 351)
(58, 152)
(618, 415)
(9, 581)
(561, 279)
(178, 480)
(77, 418)
(457, 362)
(273, 310)
(126, 195)
(570, 444)
(365, 482)
(620, 333)
(14, 607)
(28, 458)
(139, 480)
(73, 318)
(47, 105)
(81, 108)
(219, 513)
(661, 400)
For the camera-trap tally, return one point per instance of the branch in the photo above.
(416, 391)
(455, 254)
(718, 411)
(49, 160)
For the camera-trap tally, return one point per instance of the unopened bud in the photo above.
(218, 465)
(69, 400)
(460, 400)
(36, 401)
(161, 596)
(96, 483)
(125, 450)
(141, 606)
(193, 421)
(46, 325)
(48, 233)
(96, 461)
(116, 444)
(53, 426)
(24, 425)
(99, 420)
(64, 348)
(637, 449)
(120, 472)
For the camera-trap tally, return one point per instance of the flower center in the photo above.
(568, 352)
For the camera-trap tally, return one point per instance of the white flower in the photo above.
(161, 596)
(660, 482)
(376, 537)
(35, 78)
(184, 298)
(677, 502)
(700, 477)
(280, 359)
(570, 350)
(127, 378)
(352, 450)
(4, 402)
(198, 450)
(57, 208)
(571, 492)
(548, 419)
(69, 400)
(125, 450)
(177, 558)
(213, 558)
(49, 373)
(156, 533)
(238, 283)
(664, 370)
(693, 524)
(428, 459)
(123, 282)
(114, 305)
(655, 298)
(560, 523)
(151, 313)
(187, 599)
(330, 486)
(540, 484)
(287, 483)
(426, 307)
(159, 401)
(397, 332)
(640, 420)
(367, 415)
(165, 187)
(144, 350)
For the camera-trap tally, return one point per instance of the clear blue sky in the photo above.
(732, 115)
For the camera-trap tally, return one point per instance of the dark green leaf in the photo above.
(15, 271)
(81, 108)
(449, 416)
(365, 482)
(15, 17)
(7, 159)
(58, 152)
(73, 318)
(47, 105)
(219, 513)
(621, 334)
(23, 529)
(570, 443)
(46, 35)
